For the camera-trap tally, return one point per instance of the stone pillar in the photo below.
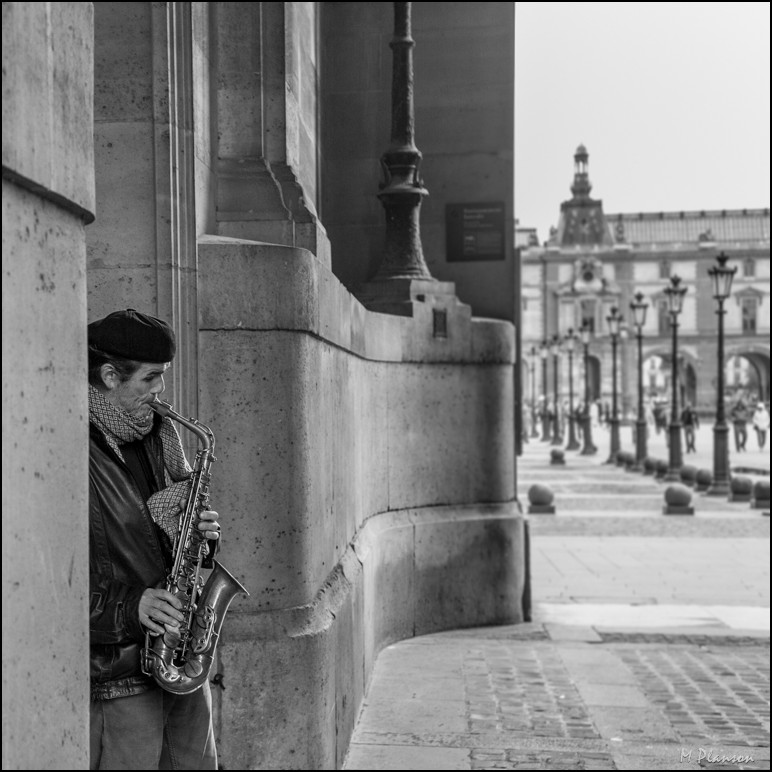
(48, 198)
(267, 124)
(142, 248)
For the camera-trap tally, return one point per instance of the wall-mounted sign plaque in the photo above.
(474, 231)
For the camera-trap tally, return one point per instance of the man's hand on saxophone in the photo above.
(159, 612)
(208, 524)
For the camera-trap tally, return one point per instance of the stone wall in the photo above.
(48, 196)
(365, 478)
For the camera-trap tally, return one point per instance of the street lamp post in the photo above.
(614, 322)
(545, 419)
(675, 300)
(588, 449)
(722, 286)
(557, 438)
(532, 366)
(638, 308)
(570, 342)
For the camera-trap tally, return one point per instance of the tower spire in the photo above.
(581, 186)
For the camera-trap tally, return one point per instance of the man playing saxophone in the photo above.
(139, 479)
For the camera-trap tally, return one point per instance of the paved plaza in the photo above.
(648, 646)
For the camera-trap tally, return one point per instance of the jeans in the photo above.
(740, 436)
(154, 730)
(689, 437)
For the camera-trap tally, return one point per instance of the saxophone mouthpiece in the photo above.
(162, 408)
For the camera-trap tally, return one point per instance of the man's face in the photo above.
(135, 394)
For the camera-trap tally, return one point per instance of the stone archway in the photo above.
(747, 373)
(657, 378)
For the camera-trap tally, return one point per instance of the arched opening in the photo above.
(747, 377)
(658, 382)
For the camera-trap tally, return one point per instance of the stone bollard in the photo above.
(689, 475)
(760, 495)
(740, 489)
(649, 465)
(677, 500)
(628, 460)
(557, 457)
(703, 480)
(620, 458)
(540, 498)
(662, 467)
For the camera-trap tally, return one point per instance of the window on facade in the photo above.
(749, 308)
(749, 267)
(664, 269)
(663, 317)
(588, 315)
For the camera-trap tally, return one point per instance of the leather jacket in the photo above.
(126, 557)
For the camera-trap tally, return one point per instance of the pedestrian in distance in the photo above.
(761, 424)
(139, 480)
(691, 422)
(596, 413)
(660, 417)
(740, 416)
(579, 419)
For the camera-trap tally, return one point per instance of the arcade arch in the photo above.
(747, 374)
(657, 378)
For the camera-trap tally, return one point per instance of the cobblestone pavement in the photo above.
(648, 649)
(464, 700)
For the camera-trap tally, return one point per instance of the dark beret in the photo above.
(131, 334)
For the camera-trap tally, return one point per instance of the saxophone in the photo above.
(183, 666)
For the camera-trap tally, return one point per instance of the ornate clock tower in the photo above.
(581, 218)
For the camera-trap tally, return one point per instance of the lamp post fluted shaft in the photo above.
(640, 424)
(402, 189)
(614, 420)
(573, 443)
(721, 276)
(675, 457)
(557, 438)
(545, 419)
(588, 449)
(720, 484)
(534, 430)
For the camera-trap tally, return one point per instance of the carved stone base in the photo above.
(399, 296)
(670, 509)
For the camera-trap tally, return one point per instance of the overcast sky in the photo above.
(671, 101)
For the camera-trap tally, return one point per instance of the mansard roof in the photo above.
(726, 225)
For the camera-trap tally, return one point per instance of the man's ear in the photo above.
(110, 377)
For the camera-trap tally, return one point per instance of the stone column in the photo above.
(266, 137)
(48, 198)
(142, 248)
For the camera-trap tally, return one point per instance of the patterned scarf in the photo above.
(119, 428)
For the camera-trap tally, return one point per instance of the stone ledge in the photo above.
(318, 615)
(249, 285)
